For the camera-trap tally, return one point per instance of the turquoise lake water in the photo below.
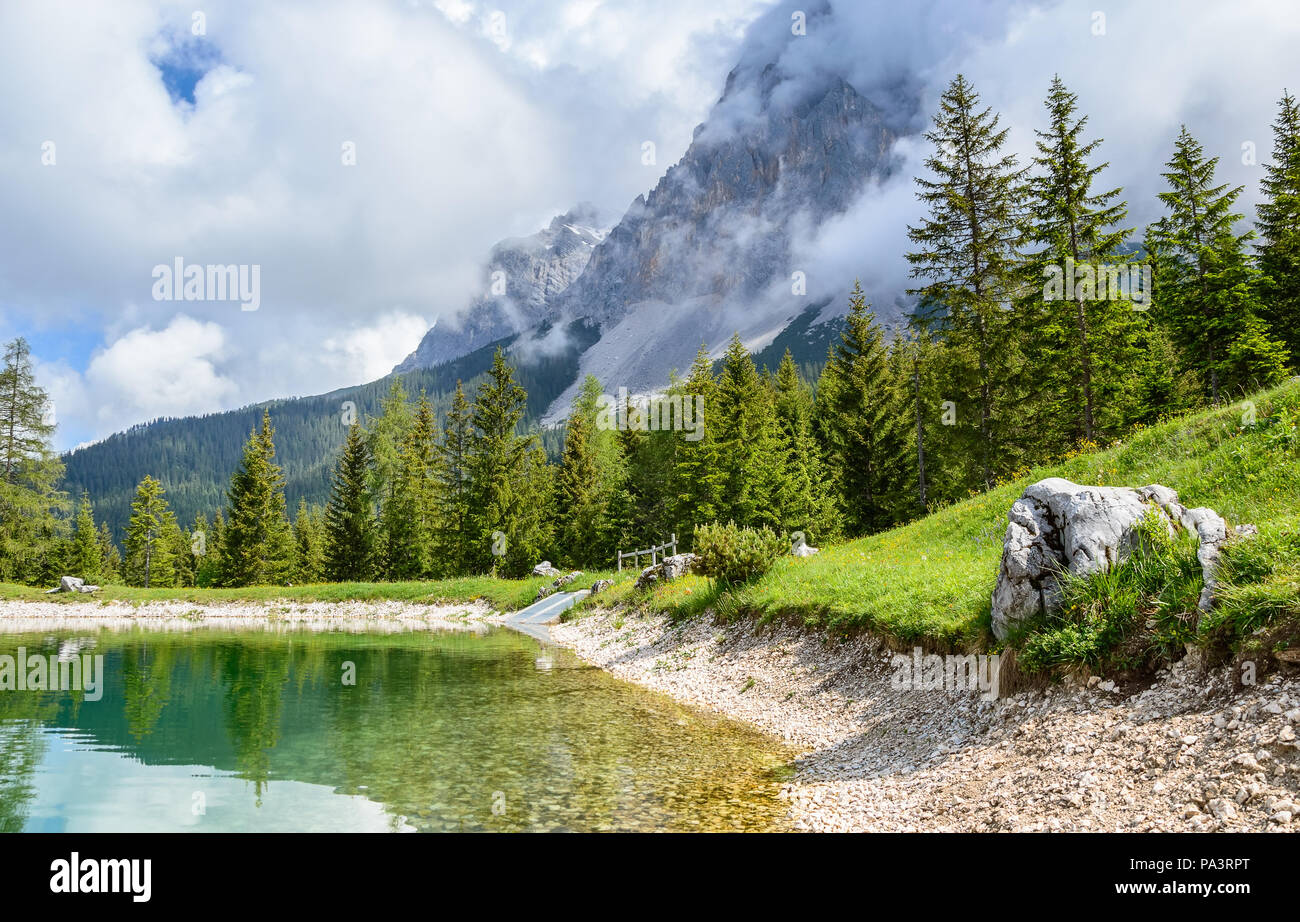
(261, 730)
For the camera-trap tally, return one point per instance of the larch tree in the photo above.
(30, 502)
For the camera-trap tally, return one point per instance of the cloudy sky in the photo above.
(366, 155)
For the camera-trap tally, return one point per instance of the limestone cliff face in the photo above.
(710, 251)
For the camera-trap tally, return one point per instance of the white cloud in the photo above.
(167, 372)
(368, 352)
(143, 374)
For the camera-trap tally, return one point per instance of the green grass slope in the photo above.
(931, 581)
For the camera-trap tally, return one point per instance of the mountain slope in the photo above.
(195, 456)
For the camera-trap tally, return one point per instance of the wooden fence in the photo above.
(635, 556)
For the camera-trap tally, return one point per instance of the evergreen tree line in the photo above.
(994, 371)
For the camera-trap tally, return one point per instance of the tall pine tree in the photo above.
(1278, 223)
(85, 557)
(1205, 289)
(452, 489)
(148, 560)
(407, 519)
(864, 422)
(968, 252)
(505, 482)
(350, 528)
(803, 501)
(257, 544)
(1088, 347)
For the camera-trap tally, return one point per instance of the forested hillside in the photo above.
(195, 456)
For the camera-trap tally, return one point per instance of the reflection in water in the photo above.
(222, 730)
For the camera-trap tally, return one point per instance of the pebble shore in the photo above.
(388, 616)
(1185, 753)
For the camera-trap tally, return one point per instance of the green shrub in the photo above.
(733, 554)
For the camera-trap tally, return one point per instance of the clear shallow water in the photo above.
(257, 731)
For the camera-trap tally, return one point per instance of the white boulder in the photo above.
(1058, 527)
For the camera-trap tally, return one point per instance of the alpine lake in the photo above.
(297, 730)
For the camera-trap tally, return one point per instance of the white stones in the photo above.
(1222, 809)
(666, 570)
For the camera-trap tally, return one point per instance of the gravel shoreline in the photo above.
(1187, 753)
(387, 616)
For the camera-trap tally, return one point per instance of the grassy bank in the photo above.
(501, 594)
(930, 581)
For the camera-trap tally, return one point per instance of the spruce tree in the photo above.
(85, 557)
(1278, 223)
(697, 478)
(1086, 346)
(180, 548)
(913, 371)
(502, 476)
(804, 503)
(350, 528)
(148, 559)
(451, 489)
(747, 452)
(202, 542)
(865, 423)
(407, 519)
(968, 251)
(308, 545)
(110, 557)
(582, 521)
(1205, 290)
(216, 540)
(257, 544)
